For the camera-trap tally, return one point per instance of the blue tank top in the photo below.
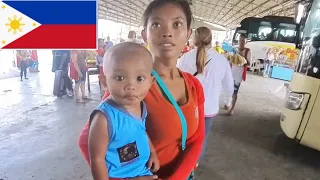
(128, 151)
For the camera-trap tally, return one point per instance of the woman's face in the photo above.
(167, 32)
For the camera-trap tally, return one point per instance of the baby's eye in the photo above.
(155, 25)
(140, 78)
(119, 78)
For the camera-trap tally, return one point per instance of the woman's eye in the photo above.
(140, 78)
(119, 78)
(155, 25)
(177, 24)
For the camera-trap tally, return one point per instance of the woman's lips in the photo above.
(166, 46)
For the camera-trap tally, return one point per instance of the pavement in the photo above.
(38, 135)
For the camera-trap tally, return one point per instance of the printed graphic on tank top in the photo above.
(128, 150)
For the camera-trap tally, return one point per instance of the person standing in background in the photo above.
(23, 56)
(218, 48)
(100, 54)
(78, 71)
(108, 44)
(268, 63)
(132, 37)
(239, 74)
(212, 70)
(61, 60)
(34, 57)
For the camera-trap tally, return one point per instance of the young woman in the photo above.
(166, 30)
(268, 63)
(213, 71)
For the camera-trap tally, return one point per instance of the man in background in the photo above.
(61, 60)
(132, 37)
(239, 74)
(108, 44)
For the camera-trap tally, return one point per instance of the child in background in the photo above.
(119, 146)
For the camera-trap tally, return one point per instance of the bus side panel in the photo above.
(311, 134)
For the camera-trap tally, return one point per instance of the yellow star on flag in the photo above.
(3, 6)
(34, 24)
(3, 42)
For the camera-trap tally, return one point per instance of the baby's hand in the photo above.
(153, 163)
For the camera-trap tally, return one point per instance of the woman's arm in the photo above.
(191, 154)
(228, 82)
(98, 143)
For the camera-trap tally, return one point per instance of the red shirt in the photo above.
(164, 130)
(34, 55)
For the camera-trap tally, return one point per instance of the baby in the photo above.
(119, 146)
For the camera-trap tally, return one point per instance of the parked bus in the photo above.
(274, 33)
(300, 118)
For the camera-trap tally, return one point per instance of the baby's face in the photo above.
(129, 80)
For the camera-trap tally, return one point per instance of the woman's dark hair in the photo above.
(184, 4)
(202, 38)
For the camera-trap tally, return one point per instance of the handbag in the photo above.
(183, 121)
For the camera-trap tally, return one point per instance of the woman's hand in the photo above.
(153, 163)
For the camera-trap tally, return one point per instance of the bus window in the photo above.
(272, 31)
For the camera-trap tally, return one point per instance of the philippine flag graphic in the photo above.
(41, 24)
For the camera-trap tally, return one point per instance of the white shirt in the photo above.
(217, 73)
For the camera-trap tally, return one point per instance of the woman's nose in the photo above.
(165, 35)
(166, 31)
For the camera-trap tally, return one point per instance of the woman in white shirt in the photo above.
(213, 71)
(268, 63)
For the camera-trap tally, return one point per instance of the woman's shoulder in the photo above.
(192, 80)
(196, 84)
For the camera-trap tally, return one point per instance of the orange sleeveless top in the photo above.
(164, 127)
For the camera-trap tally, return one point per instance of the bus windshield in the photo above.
(264, 30)
(270, 31)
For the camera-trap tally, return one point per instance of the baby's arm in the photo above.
(98, 144)
(153, 162)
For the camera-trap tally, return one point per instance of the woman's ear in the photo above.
(144, 35)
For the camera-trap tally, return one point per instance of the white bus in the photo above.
(271, 32)
(300, 118)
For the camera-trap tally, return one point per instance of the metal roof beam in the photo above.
(123, 11)
(248, 4)
(233, 20)
(121, 14)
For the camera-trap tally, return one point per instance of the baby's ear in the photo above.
(102, 79)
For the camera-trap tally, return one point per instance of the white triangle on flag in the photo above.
(14, 24)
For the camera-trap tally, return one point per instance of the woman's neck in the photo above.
(166, 69)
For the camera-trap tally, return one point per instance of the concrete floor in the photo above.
(38, 135)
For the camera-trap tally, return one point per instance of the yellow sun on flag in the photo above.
(15, 24)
